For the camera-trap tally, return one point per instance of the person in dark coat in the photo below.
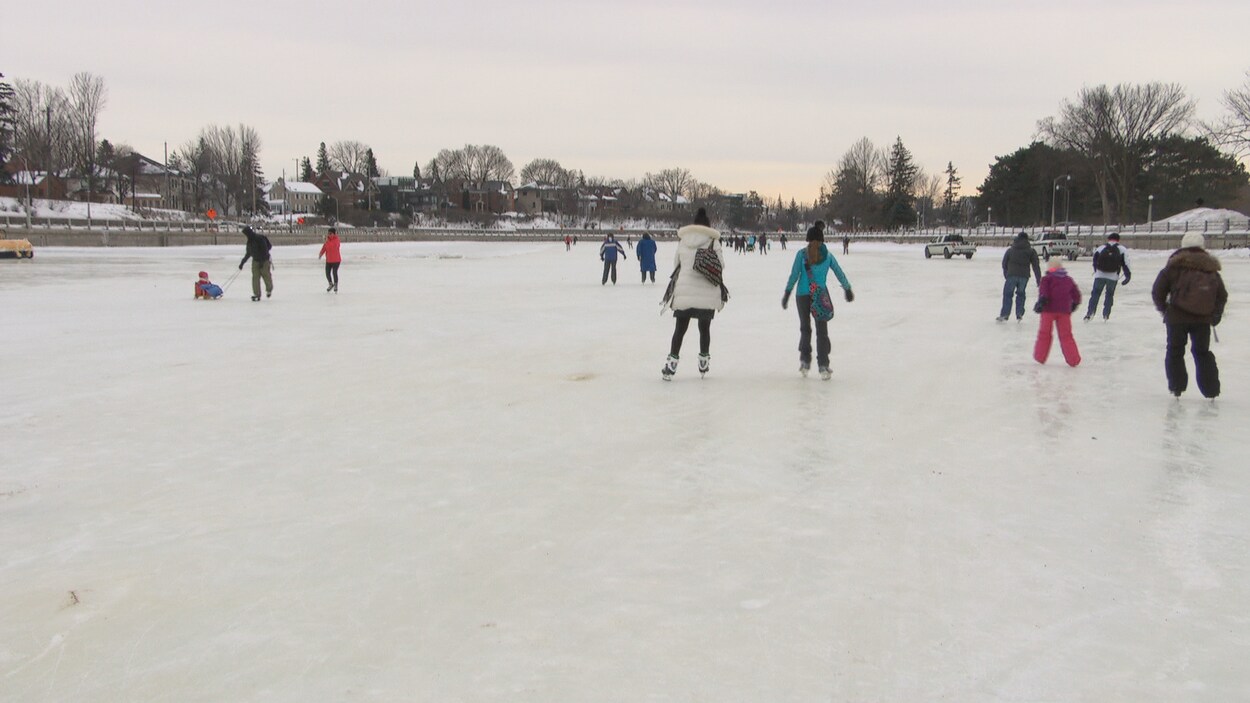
(1017, 260)
(646, 256)
(1190, 294)
(258, 247)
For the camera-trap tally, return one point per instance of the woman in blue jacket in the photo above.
(646, 256)
(817, 261)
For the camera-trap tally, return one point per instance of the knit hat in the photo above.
(815, 234)
(1193, 239)
(1022, 237)
(204, 275)
(248, 230)
(1114, 236)
(1054, 263)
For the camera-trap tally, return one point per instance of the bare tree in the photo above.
(350, 156)
(854, 187)
(1233, 131)
(674, 181)
(87, 98)
(488, 163)
(548, 172)
(1110, 127)
(42, 130)
(928, 189)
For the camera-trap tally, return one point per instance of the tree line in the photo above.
(1113, 154)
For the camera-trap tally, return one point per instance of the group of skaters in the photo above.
(1189, 293)
(696, 292)
(259, 250)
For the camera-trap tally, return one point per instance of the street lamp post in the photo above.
(1150, 212)
(989, 218)
(1067, 205)
(1053, 191)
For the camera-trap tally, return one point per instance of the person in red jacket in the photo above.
(1058, 298)
(330, 250)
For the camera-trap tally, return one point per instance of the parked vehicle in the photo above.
(949, 245)
(1056, 243)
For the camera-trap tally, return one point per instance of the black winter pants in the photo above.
(683, 324)
(609, 267)
(1207, 373)
(804, 304)
(332, 273)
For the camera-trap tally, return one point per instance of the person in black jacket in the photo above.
(258, 247)
(1016, 263)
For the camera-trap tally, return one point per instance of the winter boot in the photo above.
(825, 373)
(670, 368)
(704, 363)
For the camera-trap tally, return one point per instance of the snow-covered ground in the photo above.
(15, 209)
(462, 479)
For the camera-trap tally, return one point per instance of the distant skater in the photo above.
(330, 250)
(1057, 298)
(809, 273)
(646, 256)
(258, 247)
(846, 244)
(695, 295)
(608, 251)
(1190, 294)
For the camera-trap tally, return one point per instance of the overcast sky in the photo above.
(747, 95)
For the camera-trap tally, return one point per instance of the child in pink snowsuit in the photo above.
(1058, 296)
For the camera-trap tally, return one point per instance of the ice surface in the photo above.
(462, 479)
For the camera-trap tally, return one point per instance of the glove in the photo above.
(1075, 306)
(785, 301)
(240, 267)
(1127, 276)
(849, 295)
(1215, 320)
(1041, 303)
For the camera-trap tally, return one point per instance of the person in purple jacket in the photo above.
(1058, 298)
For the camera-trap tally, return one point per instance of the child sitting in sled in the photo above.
(206, 289)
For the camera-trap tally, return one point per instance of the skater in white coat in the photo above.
(694, 296)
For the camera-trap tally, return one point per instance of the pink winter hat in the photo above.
(1054, 263)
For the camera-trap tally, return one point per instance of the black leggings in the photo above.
(332, 273)
(705, 334)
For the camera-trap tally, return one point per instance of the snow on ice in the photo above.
(461, 478)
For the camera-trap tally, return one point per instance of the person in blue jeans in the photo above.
(1110, 260)
(817, 259)
(1017, 260)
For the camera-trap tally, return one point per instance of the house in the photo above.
(495, 197)
(541, 198)
(404, 194)
(293, 196)
(351, 191)
(38, 184)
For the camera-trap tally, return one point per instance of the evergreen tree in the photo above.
(952, 191)
(1177, 169)
(305, 171)
(416, 170)
(323, 159)
(371, 164)
(899, 205)
(7, 126)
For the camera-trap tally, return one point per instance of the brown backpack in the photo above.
(1196, 292)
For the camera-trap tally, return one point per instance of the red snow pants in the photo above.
(1062, 321)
